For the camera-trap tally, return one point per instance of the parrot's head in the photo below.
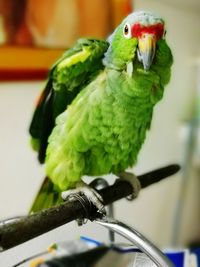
(136, 38)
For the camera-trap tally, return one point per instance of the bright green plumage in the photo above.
(105, 111)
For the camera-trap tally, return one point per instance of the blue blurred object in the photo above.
(178, 258)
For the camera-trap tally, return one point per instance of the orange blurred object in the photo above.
(58, 23)
(29, 27)
(120, 9)
(94, 18)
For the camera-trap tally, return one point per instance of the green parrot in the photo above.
(94, 112)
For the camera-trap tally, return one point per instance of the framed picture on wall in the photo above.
(34, 33)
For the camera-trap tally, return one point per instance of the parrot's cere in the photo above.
(97, 105)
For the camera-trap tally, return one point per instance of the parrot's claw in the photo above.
(133, 180)
(92, 196)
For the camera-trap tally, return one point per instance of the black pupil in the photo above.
(126, 29)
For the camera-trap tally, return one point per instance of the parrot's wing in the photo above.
(69, 75)
(73, 71)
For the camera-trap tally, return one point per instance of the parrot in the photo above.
(96, 107)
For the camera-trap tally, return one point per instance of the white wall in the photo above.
(20, 172)
(153, 211)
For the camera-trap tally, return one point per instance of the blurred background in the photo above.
(32, 35)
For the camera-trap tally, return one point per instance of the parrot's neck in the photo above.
(112, 62)
(141, 88)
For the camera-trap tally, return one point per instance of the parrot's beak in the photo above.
(146, 49)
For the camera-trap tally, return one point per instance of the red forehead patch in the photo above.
(158, 29)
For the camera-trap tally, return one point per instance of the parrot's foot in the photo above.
(92, 196)
(133, 180)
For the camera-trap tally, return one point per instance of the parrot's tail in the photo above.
(46, 197)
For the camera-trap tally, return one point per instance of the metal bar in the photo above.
(137, 239)
(100, 183)
(111, 214)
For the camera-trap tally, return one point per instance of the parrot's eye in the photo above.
(127, 31)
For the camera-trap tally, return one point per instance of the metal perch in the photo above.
(137, 239)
